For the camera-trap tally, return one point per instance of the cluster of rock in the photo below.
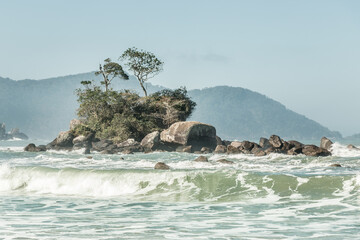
(13, 134)
(191, 137)
(275, 144)
(181, 136)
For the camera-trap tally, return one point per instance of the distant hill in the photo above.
(42, 108)
(238, 113)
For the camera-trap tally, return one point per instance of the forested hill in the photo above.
(238, 113)
(43, 108)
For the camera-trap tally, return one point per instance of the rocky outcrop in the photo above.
(326, 143)
(196, 134)
(13, 134)
(64, 141)
(189, 137)
(220, 149)
(151, 141)
(276, 141)
(315, 151)
(352, 147)
(33, 148)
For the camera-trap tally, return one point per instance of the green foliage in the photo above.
(143, 64)
(109, 70)
(122, 115)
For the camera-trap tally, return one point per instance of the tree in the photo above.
(109, 71)
(144, 65)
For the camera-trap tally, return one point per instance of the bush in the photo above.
(122, 115)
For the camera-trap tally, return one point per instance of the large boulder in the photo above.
(326, 143)
(275, 141)
(63, 141)
(33, 148)
(220, 149)
(151, 141)
(196, 134)
(264, 143)
(161, 166)
(129, 145)
(315, 151)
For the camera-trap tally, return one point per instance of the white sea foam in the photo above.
(340, 150)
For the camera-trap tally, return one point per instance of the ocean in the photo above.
(66, 195)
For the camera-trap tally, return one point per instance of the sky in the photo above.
(304, 54)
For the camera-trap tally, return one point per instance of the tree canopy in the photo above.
(143, 64)
(110, 70)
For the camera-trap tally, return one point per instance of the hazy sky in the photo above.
(304, 54)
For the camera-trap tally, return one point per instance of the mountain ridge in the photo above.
(42, 108)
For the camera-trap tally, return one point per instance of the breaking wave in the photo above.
(221, 185)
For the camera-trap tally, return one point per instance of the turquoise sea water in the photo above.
(65, 195)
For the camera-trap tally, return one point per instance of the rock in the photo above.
(15, 133)
(62, 141)
(102, 145)
(326, 143)
(190, 133)
(285, 146)
(296, 144)
(201, 159)
(79, 139)
(350, 146)
(232, 150)
(151, 141)
(127, 151)
(89, 157)
(335, 165)
(162, 166)
(315, 151)
(87, 150)
(80, 142)
(259, 152)
(41, 148)
(128, 143)
(108, 151)
(32, 148)
(236, 144)
(220, 149)
(264, 143)
(2, 130)
(224, 161)
(205, 150)
(197, 152)
(275, 141)
(219, 141)
(246, 146)
(295, 150)
(74, 123)
(273, 150)
(187, 149)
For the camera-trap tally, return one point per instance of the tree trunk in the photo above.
(143, 88)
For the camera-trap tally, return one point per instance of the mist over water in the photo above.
(65, 195)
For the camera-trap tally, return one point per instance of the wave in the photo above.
(200, 185)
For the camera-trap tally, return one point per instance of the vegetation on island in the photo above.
(120, 115)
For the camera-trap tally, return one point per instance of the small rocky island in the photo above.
(13, 134)
(113, 122)
(184, 136)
